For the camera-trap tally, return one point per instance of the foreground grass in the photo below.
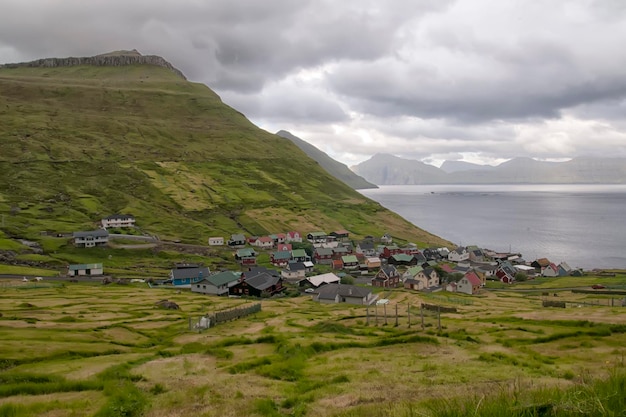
(83, 349)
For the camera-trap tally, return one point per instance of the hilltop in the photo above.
(80, 141)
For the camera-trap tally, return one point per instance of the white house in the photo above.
(469, 284)
(318, 280)
(85, 270)
(458, 255)
(216, 241)
(264, 242)
(339, 293)
(118, 220)
(293, 236)
(90, 239)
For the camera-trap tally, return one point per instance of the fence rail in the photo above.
(211, 320)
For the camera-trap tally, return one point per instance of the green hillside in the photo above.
(79, 143)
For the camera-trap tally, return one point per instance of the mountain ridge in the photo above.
(392, 170)
(337, 169)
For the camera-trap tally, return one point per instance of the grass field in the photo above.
(82, 349)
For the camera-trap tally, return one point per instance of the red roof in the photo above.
(473, 278)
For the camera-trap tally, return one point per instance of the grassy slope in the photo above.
(80, 143)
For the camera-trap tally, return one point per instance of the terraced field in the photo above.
(78, 349)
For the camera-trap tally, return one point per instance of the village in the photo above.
(331, 267)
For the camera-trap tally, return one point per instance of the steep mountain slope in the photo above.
(336, 169)
(81, 142)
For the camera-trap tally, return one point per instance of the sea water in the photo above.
(583, 225)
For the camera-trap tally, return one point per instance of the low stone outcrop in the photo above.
(111, 59)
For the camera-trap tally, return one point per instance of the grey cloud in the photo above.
(429, 77)
(283, 107)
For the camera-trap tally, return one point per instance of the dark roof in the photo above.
(330, 291)
(389, 270)
(296, 266)
(92, 233)
(184, 266)
(257, 270)
(190, 273)
(262, 281)
(324, 251)
(119, 217)
(366, 245)
(428, 270)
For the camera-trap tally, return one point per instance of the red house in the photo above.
(323, 255)
(280, 258)
(389, 251)
(337, 264)
(284, 247)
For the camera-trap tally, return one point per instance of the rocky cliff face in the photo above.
(112, 59)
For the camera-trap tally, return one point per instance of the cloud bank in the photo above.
(471, 80)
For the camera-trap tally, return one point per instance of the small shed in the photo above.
(85, 270)
(216, 241)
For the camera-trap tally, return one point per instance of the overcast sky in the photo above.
(475, 80)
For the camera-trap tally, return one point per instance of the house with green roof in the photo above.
(299, 255)
(316, 237)
(216, 284)
(280, 258)
(350, 262)
(418, 278)
(402, 259)
(246, 256)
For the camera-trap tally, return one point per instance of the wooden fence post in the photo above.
(408, 313)
(385, 311)
(396, 315)
(439, 317)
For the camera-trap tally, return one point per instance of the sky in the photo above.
(481, 81)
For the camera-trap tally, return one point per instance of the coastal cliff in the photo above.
(111, 59)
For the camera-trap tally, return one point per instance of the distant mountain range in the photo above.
(333, 167)
(385, 169)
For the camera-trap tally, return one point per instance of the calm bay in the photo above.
(583, 225)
